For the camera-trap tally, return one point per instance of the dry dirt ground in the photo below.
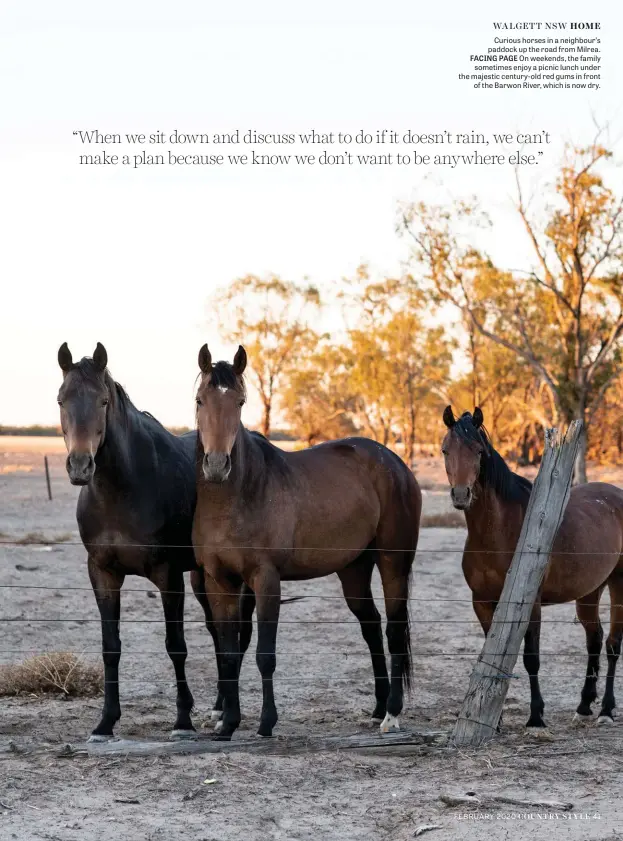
(323, 687)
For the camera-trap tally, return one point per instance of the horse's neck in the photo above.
(493, 524)
(124, 436)
(246, 459)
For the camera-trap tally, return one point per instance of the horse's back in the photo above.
(589, 543)
(593, 519)
(594, 508)
(372, 475)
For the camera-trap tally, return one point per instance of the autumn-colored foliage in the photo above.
(533, 347)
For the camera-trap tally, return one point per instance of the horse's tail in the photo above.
(407, 668)
(416, 514)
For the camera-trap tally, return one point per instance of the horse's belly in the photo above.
(131, 556)
(331, 546)
(304, 566)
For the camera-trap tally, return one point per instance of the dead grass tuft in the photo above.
(37, 538)
(448, 520)
(56, 672)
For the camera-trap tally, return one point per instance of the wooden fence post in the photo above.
(482, 707)
(47, 476)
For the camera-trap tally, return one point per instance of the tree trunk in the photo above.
(266, 419)
(579, 471)
(410, 442)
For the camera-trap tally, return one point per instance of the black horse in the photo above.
(135, 514)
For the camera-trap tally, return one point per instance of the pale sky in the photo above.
(131, 257)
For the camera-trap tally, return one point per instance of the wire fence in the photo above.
(25, 542)
(299, 595)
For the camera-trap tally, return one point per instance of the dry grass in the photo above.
(37, 538)
(56, 672)
(447, 520)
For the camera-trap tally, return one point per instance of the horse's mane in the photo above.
(91, 374)
(494, 472)
(273, 456)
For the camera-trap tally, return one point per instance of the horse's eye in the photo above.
(105, 402)
(241, 404)
(60, 402)
(444, 452)
(199, 403)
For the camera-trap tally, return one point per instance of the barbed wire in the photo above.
(288, 597)
(324, 653)
(356, 623)
(24, 543)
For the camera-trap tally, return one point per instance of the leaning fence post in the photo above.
(47, 476)
(482, 707)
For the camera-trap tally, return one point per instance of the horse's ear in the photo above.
(205, 360)
(100, 357)
(240, 361)
(477, 417)
(64, 358)
(448, 417)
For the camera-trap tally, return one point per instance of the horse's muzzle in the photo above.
(80, 468)
(216, 467)
(461, 497)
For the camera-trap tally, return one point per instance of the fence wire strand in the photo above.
(24, 543)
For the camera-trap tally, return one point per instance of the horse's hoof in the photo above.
(218, 726)
(96, 738)
(389, 723)
(376, 720)
(580, 720)
(222, 737)
(182, 735)
(605, 720)
(216, 715)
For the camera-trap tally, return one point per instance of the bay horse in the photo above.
(134, 513)
(587, 554)
(264, 516)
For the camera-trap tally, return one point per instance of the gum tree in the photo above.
(563, 315)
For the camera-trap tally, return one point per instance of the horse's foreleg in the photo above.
(532, 662)
(224, 598)
(587, 610)
(107, 589)
(267, 589)
(171, 586)
(199, 588)
(613, 646)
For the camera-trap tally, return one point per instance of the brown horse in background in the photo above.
(587, 554)
(264, 516)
